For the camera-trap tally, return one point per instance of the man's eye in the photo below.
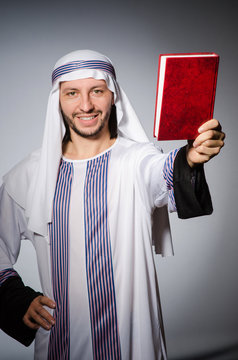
(71, 93)
(97, 91)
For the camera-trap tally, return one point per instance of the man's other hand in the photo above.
(207, 144)
(37, 316)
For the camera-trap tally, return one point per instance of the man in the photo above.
(88, 201)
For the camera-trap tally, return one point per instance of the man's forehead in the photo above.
(85, 82)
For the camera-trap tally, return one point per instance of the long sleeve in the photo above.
(191, 192)
(15, 297)
(168, 179)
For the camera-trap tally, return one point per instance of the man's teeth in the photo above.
(87, 118)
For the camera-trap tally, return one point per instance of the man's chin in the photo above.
(89, 133)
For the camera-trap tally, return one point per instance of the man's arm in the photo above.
(15, 298)
(191, 192)
(21, 308)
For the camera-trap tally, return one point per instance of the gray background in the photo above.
(199, 285)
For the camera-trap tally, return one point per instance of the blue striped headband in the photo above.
(83, 64)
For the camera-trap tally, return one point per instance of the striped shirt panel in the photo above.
(59, 342)
(6, 274)
(83, 64)
(101, 290)
(168, 170)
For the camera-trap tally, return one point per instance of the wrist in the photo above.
(191, 164)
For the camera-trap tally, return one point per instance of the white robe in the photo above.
(135, 187)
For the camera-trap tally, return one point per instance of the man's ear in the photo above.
(113, 102)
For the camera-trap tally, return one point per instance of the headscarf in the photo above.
(75, 65)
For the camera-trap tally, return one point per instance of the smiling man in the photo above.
(93, 111)
(93, 201)
(86, 107)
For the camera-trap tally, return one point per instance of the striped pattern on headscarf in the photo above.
(83, 64)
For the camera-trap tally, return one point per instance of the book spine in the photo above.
(214, 88)
(156, 99)
(187, 54)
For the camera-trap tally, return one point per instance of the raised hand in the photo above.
(207, 144)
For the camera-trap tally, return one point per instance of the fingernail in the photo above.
(200, 129)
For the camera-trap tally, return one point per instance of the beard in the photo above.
(85, 134)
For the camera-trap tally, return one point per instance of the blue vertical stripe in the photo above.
(101, 290)
(59, 342)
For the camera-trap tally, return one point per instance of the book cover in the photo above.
(185, 94)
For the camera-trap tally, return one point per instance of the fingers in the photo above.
(208, 151)
(209, 125)
(210, 135)
(44, 300)
(206, 145)
(37, 316)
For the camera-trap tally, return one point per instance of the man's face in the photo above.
(86, 106)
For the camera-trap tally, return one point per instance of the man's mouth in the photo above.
(87, 117)
(87, 120)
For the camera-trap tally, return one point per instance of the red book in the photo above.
(185, 94)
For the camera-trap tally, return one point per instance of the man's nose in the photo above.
(85, 103)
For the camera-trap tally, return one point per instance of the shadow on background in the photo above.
(226, 353)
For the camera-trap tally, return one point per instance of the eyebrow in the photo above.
(69, 89)
(77, 89)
